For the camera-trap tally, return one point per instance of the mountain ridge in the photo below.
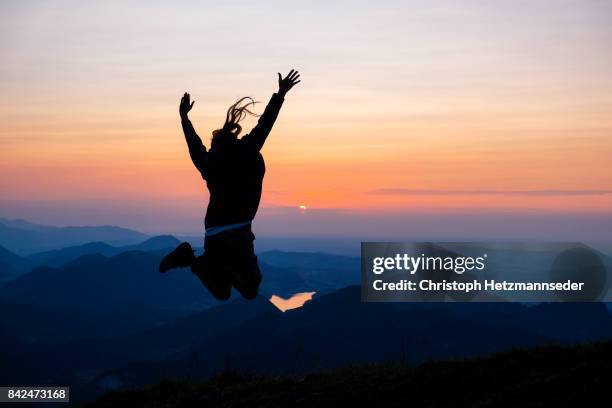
(32, 238)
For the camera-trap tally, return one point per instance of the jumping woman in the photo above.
(233, 169)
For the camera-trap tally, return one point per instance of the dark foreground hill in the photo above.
(107, 346)
(546, 376)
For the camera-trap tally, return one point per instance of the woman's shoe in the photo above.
(181, 257)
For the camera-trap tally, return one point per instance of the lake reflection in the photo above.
(293, 302)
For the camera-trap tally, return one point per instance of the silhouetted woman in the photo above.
(233, 169)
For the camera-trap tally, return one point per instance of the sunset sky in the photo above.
(434, 115)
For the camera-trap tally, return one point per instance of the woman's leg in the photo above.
(244, 270)
(211, 271)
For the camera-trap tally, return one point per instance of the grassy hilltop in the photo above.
(546, 376)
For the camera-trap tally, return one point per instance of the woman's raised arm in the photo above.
(257, 136)
(197, 151)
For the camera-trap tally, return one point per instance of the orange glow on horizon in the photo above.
(386, 111)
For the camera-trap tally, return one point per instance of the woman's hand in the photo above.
(286, 83)
(185, 106)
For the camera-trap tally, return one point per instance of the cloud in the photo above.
(524, 193)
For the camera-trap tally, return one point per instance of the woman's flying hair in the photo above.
(238, 111)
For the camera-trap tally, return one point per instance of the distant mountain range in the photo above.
(23, 237)
(287, 273)
(314, 271)
(62, 256)
(58, 277)
(13, 265)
